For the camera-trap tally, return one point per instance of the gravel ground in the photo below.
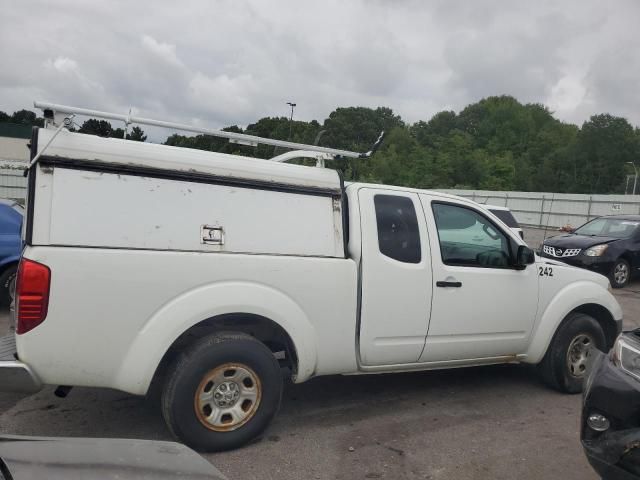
(490, 422)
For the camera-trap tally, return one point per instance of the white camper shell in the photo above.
(111, 193)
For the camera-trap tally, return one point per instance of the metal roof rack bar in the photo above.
(52, 112)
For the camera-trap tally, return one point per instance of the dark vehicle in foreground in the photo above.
(610, 430)
(607, 245)
(11, 214)
(100, 458)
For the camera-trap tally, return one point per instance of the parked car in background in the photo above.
(610, 430)
(504, 214)
(608, 245)
(11, 214)
(24, 458)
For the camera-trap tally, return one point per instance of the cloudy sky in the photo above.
(222, 62)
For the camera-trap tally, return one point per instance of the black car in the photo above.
(610, 430)
(608, 245)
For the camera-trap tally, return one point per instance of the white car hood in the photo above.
(576, 273)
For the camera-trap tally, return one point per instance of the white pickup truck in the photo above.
(206, 276)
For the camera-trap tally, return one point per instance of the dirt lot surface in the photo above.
(477, 423)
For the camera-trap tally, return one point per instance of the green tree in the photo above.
(210, 143)
(102, 128)
(356, 129)
(497, 143)
(604, 145)
(431, 133)
(137, 134)
(26, 117)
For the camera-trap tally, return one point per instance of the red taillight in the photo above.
(32, 295)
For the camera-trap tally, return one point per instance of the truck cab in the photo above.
(432, 295)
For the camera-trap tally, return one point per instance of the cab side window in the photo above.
(468, 238)
(398, 232)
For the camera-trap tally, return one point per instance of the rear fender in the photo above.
(183, 312)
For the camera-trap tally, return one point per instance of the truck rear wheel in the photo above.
(564, 365)
(222, 392)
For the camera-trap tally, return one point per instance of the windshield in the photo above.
(609, 227)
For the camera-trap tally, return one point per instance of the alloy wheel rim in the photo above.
(578, 354)
(620, 273)
(228, 397)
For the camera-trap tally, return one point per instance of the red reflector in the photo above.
(32, 295)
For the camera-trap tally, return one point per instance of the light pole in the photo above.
(635, 177)
(292, 105)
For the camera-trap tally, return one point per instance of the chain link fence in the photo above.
(13, 184)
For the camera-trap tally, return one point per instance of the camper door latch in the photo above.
(210, 235)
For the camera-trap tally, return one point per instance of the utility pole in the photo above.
(635, 177)
(292, 105)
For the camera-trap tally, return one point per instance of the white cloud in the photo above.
(62, 65)
(222, 94)
(234, 61)
(567, 95)
(164, 51)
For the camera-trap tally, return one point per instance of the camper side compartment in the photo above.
(92, 208)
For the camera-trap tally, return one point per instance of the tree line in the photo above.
(91, 126)
(497, 143)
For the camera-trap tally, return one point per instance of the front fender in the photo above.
(181, 313)
(564, 302)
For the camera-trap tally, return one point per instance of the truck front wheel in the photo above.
(564, 365)
(222, 392)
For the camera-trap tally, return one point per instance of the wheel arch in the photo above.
(626, 255)
(603, 317)
(270, 333)
(579, 297)
(256, 309)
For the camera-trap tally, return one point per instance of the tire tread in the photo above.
(185, 358)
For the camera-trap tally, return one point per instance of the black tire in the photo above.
(556, 368)
(188, 373)
(621, 265)
(7, 283)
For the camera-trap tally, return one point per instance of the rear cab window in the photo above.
(398, 231)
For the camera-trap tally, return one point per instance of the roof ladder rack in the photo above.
(55, 116)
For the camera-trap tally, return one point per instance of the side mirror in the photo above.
(524, 257)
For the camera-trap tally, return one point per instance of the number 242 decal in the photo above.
(545, 271)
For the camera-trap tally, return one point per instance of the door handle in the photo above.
(441, 283)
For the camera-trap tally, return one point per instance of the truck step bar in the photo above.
(56, 116)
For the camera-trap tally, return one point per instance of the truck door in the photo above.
(396, 277)
(482, 306)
